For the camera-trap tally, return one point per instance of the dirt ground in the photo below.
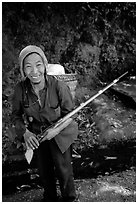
(118, 187)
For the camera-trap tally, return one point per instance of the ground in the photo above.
(118, 187)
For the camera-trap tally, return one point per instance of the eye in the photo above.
(28, 67)
(39, 65)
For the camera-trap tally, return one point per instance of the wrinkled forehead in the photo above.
(32, 58)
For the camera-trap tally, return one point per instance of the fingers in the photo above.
(49, 136)
(33, 142)
(42, 140)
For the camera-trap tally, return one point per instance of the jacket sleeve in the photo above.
(17, 111)
(65, 98)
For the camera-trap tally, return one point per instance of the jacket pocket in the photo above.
(56, 113)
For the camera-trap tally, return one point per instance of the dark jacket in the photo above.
(56, 102)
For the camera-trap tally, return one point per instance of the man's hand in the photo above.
(52, 132)
(30, 140)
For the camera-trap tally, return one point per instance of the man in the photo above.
(43, 100)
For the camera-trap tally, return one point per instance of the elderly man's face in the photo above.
(34, 68)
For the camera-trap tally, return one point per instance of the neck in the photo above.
(39, 86)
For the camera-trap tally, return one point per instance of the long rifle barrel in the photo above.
(29, 152)
(88, 101)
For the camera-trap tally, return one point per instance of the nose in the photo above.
(34, 69)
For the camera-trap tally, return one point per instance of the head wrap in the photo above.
(28, 50)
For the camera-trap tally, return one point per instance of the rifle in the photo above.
(56, 128)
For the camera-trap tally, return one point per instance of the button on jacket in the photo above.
(54, 103)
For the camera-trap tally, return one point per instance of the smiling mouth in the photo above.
(35, 77)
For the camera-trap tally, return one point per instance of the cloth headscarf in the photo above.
(28, 50)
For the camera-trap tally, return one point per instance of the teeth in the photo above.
(35, 77)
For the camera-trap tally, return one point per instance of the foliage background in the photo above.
(95, 40)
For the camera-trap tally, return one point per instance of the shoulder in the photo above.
(18, 91)
(18, 86)
(53, 80)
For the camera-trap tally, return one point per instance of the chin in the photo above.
(36, 82)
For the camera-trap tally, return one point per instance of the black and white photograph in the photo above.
(69, 101)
